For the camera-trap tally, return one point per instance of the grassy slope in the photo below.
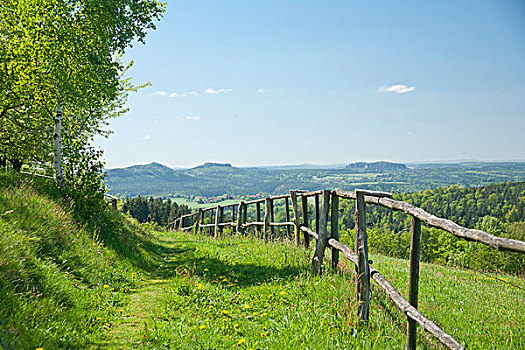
(246, 293)
(201, 292)
(60, 282)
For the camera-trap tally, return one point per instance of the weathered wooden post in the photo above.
(197, 221)
(258, 216)
(266, 226)
(334, 228)
(202, 219)
(181, 223)
(322, 241)
(272, 219)
(413, 284)
(244, 213)
(304, 202)
(218, 221)
(239, 218)
(316, 213)
(296, 225)
(363, 266)
(287, 209)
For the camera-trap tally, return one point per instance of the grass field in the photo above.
(118, 285)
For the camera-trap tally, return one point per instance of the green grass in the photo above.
(104, 282)
(245, 293)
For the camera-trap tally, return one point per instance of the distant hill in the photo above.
(215, 179)
(376, 166)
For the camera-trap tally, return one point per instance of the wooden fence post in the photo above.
(217, 221)
(363, 266)
(334, 228)
(413, 284)
(317, 260)
(244, 213)
(258, 215)
(296, 225)
(197, 221)
(267, 209)
(239, 218)
(316, 214)
(287, 209)
(304, 202)
(181, 223)
(202, 219)
(272, 219)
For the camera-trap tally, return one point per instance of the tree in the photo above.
(59, 55)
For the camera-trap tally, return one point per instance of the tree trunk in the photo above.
(57, 145)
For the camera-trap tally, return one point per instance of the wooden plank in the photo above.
(317, 260)
(256, 201)
(296, 224)
(279, 197)
(287, 215)
(310, 194)
(206, 225)
(413, 284)
(363, 267)
(495, 242)
(304, 202)
(278, 224)
(266, 227)
(334, 228)
(352, 194)
(316, 213)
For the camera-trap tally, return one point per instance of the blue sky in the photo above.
(290, 82)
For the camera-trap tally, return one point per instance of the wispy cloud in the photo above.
(160, 93)
(177, 94)
(217, 91)
(192, 117)
(193, 93)
(263, 90)
(147, 137)
(398, 88)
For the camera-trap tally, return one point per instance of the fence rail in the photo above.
(326, 209)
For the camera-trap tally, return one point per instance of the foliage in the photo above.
(57, 52)
(154, 210)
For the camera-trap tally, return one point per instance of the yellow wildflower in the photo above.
(199, 286)
(247, 306)
(202, 326)
(282, 293)
(225, 312)
(264, 334)
(255, 314)
(106, 286)
(39, 348)
(242, 340)
(205, 269)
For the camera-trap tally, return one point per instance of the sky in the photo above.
(325, 82)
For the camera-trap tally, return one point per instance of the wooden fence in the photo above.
(329, 210)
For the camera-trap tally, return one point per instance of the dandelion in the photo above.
(199, 286)
(106, 286)
(39, 348)
(203, 261)
(282, 293)
(255, 314)
(202, 326)
(210, 307)
(225, 312)
(243, 253)
(264, 314)
(247, 306)
(206, 270)
(235, 325)
(242, 340)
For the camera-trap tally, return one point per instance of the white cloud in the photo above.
(262, 90)
(218, 91)
(398, 88)
(194, 93)
(160, 93)
(192, 117)
(177, 94)
(147, 137)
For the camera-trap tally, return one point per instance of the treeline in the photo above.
(154, 209)
(498, 209)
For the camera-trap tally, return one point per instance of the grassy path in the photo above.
(144, 304)
(243, 293)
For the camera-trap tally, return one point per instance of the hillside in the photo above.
(104, 282)
(214, 179)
